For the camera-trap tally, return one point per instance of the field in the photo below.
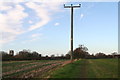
(88, 68)
(84, 68)
(28, 69)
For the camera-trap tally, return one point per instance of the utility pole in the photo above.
(71, 6)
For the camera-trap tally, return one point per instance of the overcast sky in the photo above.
(45, 27)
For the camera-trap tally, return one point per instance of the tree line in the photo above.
(27, 55)
(81, 52)
(78, 53)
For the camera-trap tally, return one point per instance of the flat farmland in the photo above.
(88, 68)
(52, 69)
(29, 69)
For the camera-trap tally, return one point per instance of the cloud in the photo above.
(6, 37)
(56, 24)
(35, 35)
(13, 15)
(41, 13)
(11, 21)
(81, 16)
(53, 5)
(32, 38)
(30, 21)
(4, 6)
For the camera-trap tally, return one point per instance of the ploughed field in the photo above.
(29, 69)
(83, 68)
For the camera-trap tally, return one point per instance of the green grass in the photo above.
(71, 70)
(89, 68)
(103, 68)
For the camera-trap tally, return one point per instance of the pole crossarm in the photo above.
(72, 6)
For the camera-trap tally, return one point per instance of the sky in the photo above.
(45, 27)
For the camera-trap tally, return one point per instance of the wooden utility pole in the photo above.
(71, 6)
